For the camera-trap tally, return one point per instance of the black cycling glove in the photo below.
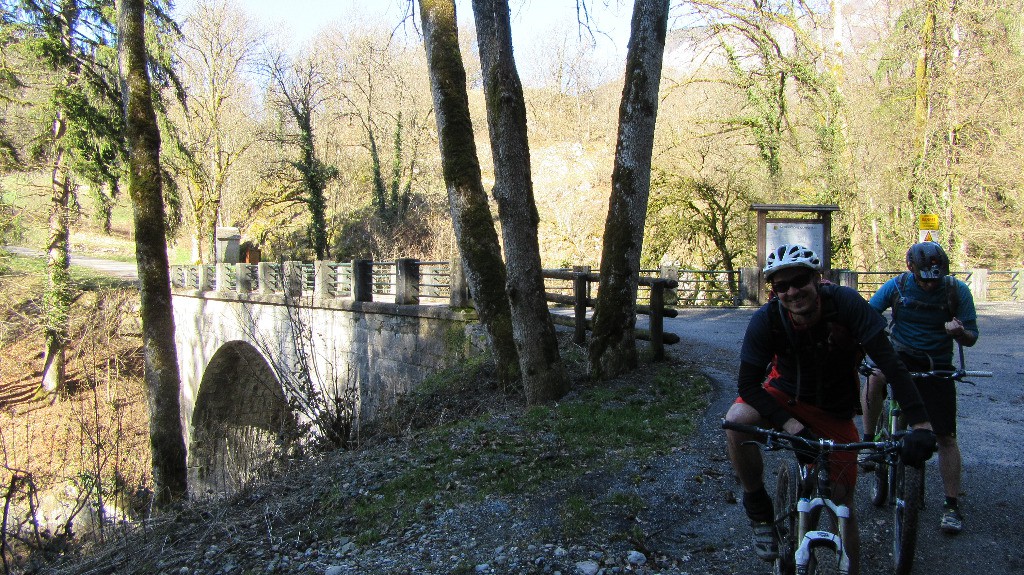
(918, 447)
(805, 454)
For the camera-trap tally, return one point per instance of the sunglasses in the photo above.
(782, 286)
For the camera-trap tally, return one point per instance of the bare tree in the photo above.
(163, 381)
(297, 92)
(211, 133)
(613, 347)
(471, 217)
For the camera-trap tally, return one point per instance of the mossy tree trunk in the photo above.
(163, 381)
(543, 373)
(613, 345)
(471, 216)
(57, 299)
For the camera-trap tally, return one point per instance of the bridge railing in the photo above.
(402, 281)
(413, 282)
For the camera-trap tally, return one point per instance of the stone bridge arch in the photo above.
(241, 422)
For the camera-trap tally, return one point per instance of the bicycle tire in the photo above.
(824, 559)
(909, 495)
(880, 486)
(787, 493)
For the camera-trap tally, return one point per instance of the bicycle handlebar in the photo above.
(867, 369)
(774, 439)
(954, 374)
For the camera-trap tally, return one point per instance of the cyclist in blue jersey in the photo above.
(931, 311)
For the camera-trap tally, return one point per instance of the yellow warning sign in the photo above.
(928, 222)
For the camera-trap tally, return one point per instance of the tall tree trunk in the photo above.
(163, 381)
(613, 347)
(57, 299)
(922, 103)
(541, 366)
(471, 217)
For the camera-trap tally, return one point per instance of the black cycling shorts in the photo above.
(938, 394)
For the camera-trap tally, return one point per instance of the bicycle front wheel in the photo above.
(909, 494)
(787, 493)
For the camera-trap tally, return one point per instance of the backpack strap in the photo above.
(952, 295)
(950, 284)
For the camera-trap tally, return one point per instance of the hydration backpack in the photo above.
(951, 307)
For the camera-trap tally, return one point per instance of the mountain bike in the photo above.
(812, 527)
(898, 483)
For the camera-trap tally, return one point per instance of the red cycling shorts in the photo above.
(842, 464)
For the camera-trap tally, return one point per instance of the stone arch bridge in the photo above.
(269, 352)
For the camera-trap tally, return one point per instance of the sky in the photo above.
(532, 20)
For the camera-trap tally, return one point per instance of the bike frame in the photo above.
(809, 539)
(814, 494)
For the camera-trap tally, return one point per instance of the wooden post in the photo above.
(407, 281)
(362, 280)
(657, 321)
(580, 293)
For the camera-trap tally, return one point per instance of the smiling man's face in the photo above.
(800, 293)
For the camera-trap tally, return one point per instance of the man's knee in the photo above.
(946, 442)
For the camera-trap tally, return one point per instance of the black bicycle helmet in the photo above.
(928, 261)
(790, 256)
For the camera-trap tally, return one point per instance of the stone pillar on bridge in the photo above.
(846, 278)
(243, 277)
(268, 278)
(362, 280)
(750, 286)
(407, 281)
(979, 284)
(323, 281)
(291, 278)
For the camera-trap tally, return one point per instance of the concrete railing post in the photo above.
(267, 278)
(243, 279)
(202, 278)
(459, 287)
(979, 284)
(223, 277)
(671, 294)
(362, 280)
(750, 286)
(323, 279)
(291, 279)
(846, 278)
(407, 281)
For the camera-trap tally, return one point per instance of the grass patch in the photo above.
(527, 450)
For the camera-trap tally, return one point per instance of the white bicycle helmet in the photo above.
(790, 256)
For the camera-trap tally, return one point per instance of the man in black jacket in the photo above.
(810, 338)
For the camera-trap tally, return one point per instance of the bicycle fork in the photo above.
(811, 538)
